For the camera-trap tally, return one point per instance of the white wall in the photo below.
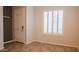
(1, 27)
(70, 35)
(29, 24)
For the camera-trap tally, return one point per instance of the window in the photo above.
(53, 22)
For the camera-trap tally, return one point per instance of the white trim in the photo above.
(9, 41)
(28, 42)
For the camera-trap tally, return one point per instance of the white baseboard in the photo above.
(59, 44)
(9, 41)
(28, 42)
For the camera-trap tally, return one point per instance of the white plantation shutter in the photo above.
(60, 18)
(53, 22)
(50, 22)
(45, 22)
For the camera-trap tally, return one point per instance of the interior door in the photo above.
(19, 23)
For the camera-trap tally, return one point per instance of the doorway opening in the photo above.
(14, 24)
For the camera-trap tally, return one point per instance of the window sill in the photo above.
(53, 34)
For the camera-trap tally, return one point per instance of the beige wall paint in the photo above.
(1, 28)
(70, 35)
